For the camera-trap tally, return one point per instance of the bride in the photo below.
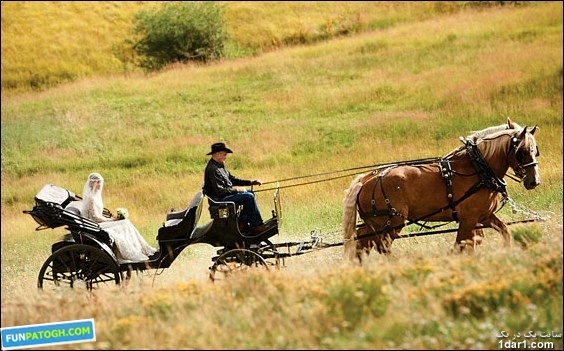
(130, 245)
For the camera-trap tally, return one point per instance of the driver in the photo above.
(218, 185)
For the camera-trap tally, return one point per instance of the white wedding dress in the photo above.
(129, 243)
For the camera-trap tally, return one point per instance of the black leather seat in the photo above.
(180, 224)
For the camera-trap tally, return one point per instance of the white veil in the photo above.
(90, 192)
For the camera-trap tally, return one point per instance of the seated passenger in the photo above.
(218, 186)
(131, 246)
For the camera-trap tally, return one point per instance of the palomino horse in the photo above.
(463, 186)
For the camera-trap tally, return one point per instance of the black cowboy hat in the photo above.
(219, 147)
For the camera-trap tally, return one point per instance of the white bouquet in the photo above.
(122, 213)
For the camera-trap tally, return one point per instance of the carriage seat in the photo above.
(223, 209)
(49, 205)
(73, 213)
(75, 207)
(180, 224)
(57, 206)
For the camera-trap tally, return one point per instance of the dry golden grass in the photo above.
(398, 93)
(284, 309)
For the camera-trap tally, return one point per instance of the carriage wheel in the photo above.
(79, 265)
(234, 261)
(271, 256)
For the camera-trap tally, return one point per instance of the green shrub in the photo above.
(179, 32)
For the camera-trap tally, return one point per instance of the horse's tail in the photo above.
(349, 217)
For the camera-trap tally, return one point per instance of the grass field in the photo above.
(404, 88)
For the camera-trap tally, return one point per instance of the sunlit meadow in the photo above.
(402, 89)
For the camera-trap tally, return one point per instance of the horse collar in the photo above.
(487, 176)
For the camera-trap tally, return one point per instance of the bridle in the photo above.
(520, 169)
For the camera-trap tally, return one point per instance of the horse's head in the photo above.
(523, 158)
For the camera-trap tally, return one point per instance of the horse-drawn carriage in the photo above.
(464, 186)
(85, 255)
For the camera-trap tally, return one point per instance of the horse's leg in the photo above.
(381, 242)
(386, 241)
(466, 236)
(478, 236)
(362, 248)
(363, 244)
(500, 227)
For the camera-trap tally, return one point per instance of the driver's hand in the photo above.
(256, 182)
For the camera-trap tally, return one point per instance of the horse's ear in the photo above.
(523, 132)
(533, 130)
(510, 123)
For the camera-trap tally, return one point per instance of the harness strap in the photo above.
(488, 178)
(446, 171)
(374, 211)
(388, 228)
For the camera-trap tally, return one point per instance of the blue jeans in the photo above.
(250, 213)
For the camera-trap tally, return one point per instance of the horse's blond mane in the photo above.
(481, 134)
(489, 148)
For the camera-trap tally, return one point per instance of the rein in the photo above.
(421, 161)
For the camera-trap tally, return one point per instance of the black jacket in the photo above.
(219, 182)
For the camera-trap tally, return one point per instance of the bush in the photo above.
(179, 32)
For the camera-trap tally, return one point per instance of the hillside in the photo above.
(405, 88)
(48, 43)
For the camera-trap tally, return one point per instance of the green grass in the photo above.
(50, 43)
(410, 83)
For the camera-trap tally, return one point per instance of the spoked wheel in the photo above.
(234, 261)
(79, 265)
(271, 256)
